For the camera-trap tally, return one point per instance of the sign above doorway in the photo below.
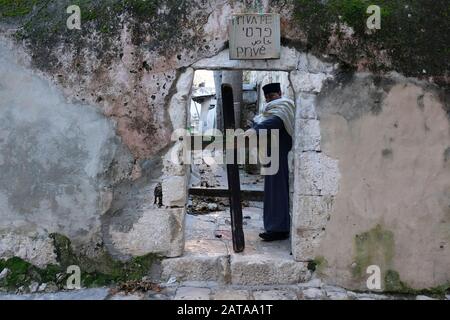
(254, 36)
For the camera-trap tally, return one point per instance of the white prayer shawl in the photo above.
(283, 108)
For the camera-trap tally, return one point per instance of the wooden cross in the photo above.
(234, 185)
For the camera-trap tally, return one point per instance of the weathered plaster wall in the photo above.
(58, 161)
(109, 96)
(390, 138)
(128, 54)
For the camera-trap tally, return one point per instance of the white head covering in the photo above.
(283, 108)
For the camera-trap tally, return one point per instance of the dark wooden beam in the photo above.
(233, 173)
(250, 195)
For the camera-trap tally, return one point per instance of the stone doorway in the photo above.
(208, 223)
(211, 259)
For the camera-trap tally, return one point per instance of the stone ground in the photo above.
(211, 270)
(312, 290)
(209, 254)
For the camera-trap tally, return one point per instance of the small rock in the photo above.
(212, 206)
(447, 296)
(172, 280)
(4, 273)
(223, 234)
(21, 290)
(42, 287)
(34, 286)
(313, 293)
(314, 283)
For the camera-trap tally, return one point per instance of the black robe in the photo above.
(276, 187)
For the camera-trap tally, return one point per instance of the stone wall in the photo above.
(58, 161)
(389, 138)
(86, 119)
(65, 170)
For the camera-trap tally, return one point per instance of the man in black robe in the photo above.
(278, 114)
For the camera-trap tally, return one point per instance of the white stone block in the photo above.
(157, 231)
(305, 242)
(306, 106)
(204, 260)
(307, 82)
(308, 136)
(180, 100)
(316, 174)
(260, 269)
(313, 294)
(4, 273)
(312, 211)
(302, 64)
(36, 249)
(173, 162)
(197, 268)
(174, 191)
(315, 65)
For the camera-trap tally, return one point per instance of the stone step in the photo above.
(213, 260)
(203, 260)
(266, 269)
